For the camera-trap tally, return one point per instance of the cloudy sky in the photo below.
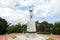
(15, 11)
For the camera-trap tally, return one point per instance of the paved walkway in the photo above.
(4, 37)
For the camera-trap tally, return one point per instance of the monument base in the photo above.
(31, 35)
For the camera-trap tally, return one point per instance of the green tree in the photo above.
(37, 26)
(56, 28)
(3, 26)
(15, 28)
(24, 28)
(45, 23)
(44, 27)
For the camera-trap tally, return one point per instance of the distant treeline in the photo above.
(41, 28)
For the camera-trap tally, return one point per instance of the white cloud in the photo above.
(42, 9)
(7, 3)
(13, 16)
(26, 3)
(47, 9)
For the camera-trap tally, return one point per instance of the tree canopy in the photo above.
(56, 28)
(3, 26)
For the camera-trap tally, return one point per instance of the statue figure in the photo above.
(31, 27)
(31, 12)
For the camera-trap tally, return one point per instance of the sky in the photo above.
(17, 11)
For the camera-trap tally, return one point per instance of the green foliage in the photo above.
(3, 26)
(24, 28)
(13, 37)
(17, 28)
(50, 39)
(45, 23)
(56, 28)
(44, 27)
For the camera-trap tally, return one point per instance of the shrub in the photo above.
(13, 37)
(50, 39)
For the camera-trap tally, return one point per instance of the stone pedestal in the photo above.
(31, 27)
(31, 35)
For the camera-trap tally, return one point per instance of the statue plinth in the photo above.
(31, 27)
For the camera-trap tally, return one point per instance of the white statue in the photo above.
(31, 23)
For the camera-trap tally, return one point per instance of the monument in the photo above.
(31, 27)
(31, 30)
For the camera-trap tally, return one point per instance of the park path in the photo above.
(4, 37)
